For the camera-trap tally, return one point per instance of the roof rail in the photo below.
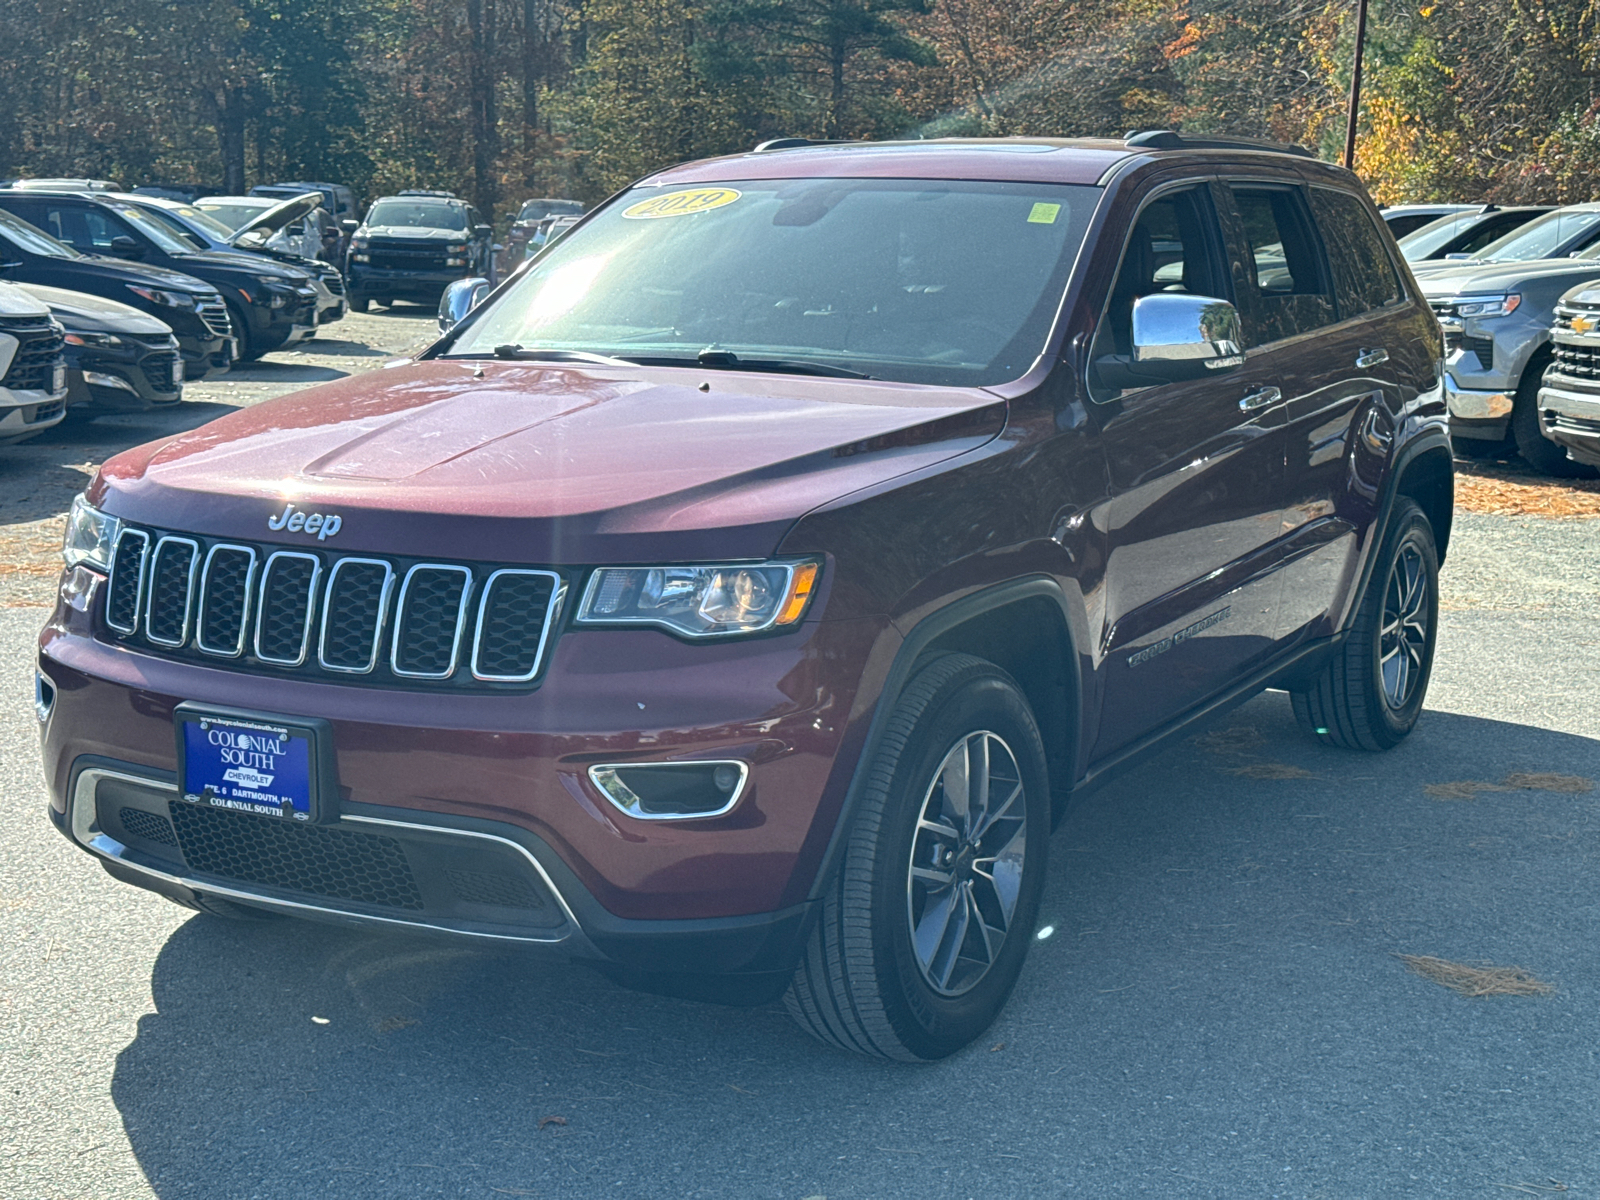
(1168, 139)
(794, 143)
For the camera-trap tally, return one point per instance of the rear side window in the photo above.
(1363, 275)
(1285, 284)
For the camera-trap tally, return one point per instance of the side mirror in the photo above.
(460, 298)
(349, 226)
(123, 246)
(1185, 337)
(483, 230)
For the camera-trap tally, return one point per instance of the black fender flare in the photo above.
(915, 645)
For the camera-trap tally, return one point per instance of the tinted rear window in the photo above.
(1363, 275)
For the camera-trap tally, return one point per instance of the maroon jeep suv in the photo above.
(737, 598)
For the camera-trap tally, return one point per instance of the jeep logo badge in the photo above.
(324, 525)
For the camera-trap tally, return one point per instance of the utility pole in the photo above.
(1355, 87)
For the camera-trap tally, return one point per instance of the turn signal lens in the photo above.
(800, 585)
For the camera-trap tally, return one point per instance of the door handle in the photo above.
(1372, 358)
(1260, 399)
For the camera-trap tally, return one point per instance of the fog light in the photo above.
(101, 379)
(678, 791)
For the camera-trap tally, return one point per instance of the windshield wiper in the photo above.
(514, 351)
(726, 360)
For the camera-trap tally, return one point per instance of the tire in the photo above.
(1368, 697)
(384, 302)
(217, 907)
(359, 304)
(1538, 451)
(862, 983)
(248, 351)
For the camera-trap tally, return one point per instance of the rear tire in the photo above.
(1369, 696)
(360, 304)
(1538, 451)
(924, 930)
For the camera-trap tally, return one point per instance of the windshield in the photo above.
(166, 217)
(33, 239)
(233, 215)
(1420, 243)
(155, 229)
(198, 219)
(1541, 237)
(419, 214)
(921, 281)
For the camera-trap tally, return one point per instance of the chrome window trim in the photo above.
(249, 596)
(81, 820)
(152, 558)
(111, 578)
(558, 595)
(400, 618)
(639, 815)
(383, 613)
(311, 606)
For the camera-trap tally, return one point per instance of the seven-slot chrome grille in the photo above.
(351, 617)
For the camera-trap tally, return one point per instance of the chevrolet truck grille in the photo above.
(351, 618)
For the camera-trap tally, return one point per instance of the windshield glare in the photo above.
(924, 281)
(420, 215)
(233, 215)
(33, 239)
(155, 229)
(203, 221)
(1540, 237)
(1420, 243)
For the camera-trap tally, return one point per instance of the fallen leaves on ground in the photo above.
(1532, 781)
(1230, 741)
(1270, 770)
(543, 1121)
(1480, 979)
(1506, 490)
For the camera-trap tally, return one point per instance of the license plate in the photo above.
(177, 372)
(255, 763)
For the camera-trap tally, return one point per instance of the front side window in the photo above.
(923, 281)
(1285, 286)
(1364, 277)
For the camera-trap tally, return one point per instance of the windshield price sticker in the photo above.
(247, 766)
(681, 204)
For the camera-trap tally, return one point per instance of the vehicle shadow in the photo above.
(325, 345)
(1220, 970)
(275, 371)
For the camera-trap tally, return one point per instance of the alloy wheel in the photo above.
(1403, 636)
(965, 872)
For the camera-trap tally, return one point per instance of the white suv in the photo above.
(33, 371)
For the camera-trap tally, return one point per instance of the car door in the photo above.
(1339, 432)
(1195, 489)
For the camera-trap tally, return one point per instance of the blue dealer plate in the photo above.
(254, 766)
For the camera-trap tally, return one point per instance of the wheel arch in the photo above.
(1429, 478)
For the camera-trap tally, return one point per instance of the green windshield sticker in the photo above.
(1044, 214)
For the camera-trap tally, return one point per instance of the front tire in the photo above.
(247, 349)
(1369, 696)
(1538, 451)
(924, 930)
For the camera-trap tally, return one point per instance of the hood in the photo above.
(79, 310)
(273, 219)
(537, 463)
(17, 301)
(151, 276)
(245, 262)
(419, 231)
(1477, 279)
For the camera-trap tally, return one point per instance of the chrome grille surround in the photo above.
(355, 619)
(116, 582)
(159, 616)
(262, 608)
(377, 617)
(558, 591)
(401, 613)
(214, 313)
(237, 648)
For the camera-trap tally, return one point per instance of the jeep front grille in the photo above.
(354, 618)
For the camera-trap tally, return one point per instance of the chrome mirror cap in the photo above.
(1197, 332)
(459, 299)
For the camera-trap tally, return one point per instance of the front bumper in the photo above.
(206, 357)
(1476, 413)
(130, 378)
(26, 413)
(1571, 419)
(420, 286)
(501, 777)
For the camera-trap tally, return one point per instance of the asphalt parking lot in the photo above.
(1219, 1011)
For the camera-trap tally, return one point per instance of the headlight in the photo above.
(91, 536)
(714, 601)
(461, 249)
(163, 298)
(1489, 306)
(87, 338)
(358, 243)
